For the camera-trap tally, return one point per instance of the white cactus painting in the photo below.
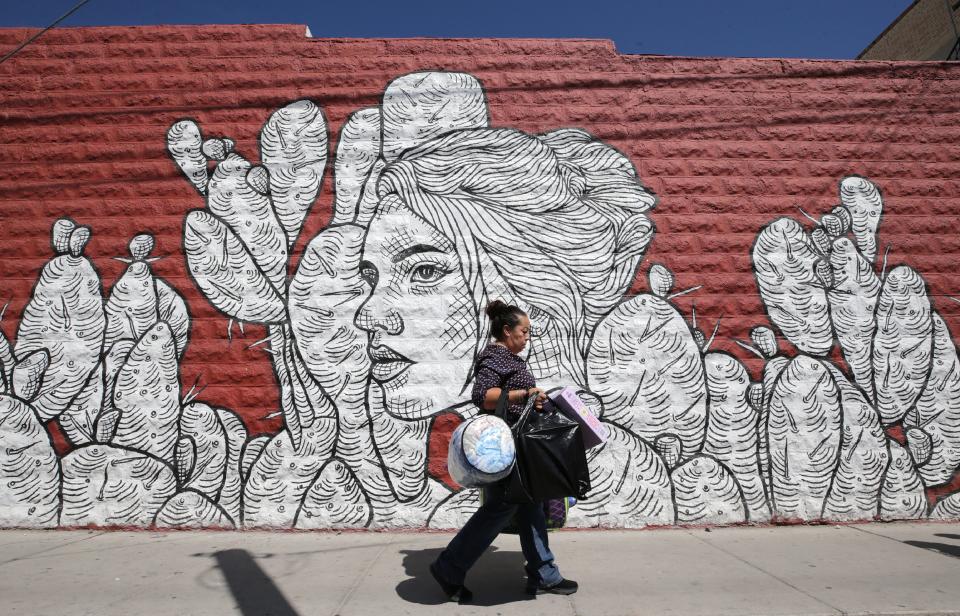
(374, 323)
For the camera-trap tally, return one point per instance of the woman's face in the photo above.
(516, 338)
(420, 318)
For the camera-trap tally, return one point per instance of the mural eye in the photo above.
(369, 273)
(427, 273)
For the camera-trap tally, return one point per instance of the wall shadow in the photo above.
(251, 587)
(497, 578)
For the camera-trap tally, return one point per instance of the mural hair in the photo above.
(574, 203)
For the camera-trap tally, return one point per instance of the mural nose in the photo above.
(374, 317)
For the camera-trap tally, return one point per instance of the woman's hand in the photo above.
(541, 397)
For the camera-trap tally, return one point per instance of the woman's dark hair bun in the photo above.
(501, 315)
(496, 307)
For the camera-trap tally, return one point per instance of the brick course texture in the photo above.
(133, 396)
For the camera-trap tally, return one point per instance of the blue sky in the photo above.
(801, 28)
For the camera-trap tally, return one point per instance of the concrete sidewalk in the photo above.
(864, 569)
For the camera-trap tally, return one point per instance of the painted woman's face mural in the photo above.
(421, 320)
(374, 334)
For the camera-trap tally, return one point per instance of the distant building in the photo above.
(923, 31)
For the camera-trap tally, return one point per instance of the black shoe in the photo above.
(454, 592)
(563, 587)
(465, 597)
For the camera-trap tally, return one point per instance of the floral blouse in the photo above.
(497, 367)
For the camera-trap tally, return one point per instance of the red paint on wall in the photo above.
(727, 145)
(440, 432)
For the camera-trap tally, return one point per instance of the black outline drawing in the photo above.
(822, 288)
(374, 333)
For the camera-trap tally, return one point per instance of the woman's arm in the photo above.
(490, 399)
(486, 390)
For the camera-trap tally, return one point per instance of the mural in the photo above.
(372, 329)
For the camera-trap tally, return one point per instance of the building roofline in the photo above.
(888, 28)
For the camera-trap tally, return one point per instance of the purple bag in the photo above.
(556, 510)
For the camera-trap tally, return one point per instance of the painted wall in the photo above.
(246, 272)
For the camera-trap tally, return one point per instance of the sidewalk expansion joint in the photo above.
(363, 574)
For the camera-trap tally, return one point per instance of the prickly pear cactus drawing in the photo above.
(900, 371)
(803, 436)
(862, 199)
(278, 480)
(901, 495)
(707, 493)
(118, 403)
(185, 146)
(947, 509)
(633, 494)
(105, 485)
(191, 509)
(366, 321)
(358, 151)
(732, 430)
(293, 147)
(646, 366)
(420, 106)
(903, 344)
(335, 500)
(147, 395)
(790, 275)
(325, 292)
(853, 303)
(29, 469)
(133, 304)
(65, 317)
(208, 455)
(864, 456)
(933, 425)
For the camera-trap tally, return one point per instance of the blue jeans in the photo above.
(484, 526)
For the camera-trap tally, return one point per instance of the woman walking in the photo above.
(499, 366)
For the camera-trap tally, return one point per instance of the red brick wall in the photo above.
(726, 144)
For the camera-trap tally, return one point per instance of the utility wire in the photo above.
(39, 34)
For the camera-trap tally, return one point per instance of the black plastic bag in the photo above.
(551, 459)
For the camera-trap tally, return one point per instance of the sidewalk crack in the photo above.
(52, 548)
(363, 574)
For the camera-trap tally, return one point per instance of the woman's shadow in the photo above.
(497, 578)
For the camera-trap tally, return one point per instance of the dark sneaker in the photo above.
(464, 597)
(453, 592)
(563, 587)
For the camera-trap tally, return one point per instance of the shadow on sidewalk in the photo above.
(254, 591)
(497, 578)
(946, 549)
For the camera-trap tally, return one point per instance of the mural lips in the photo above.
(387, 364)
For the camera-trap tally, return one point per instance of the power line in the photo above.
(39, 34)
